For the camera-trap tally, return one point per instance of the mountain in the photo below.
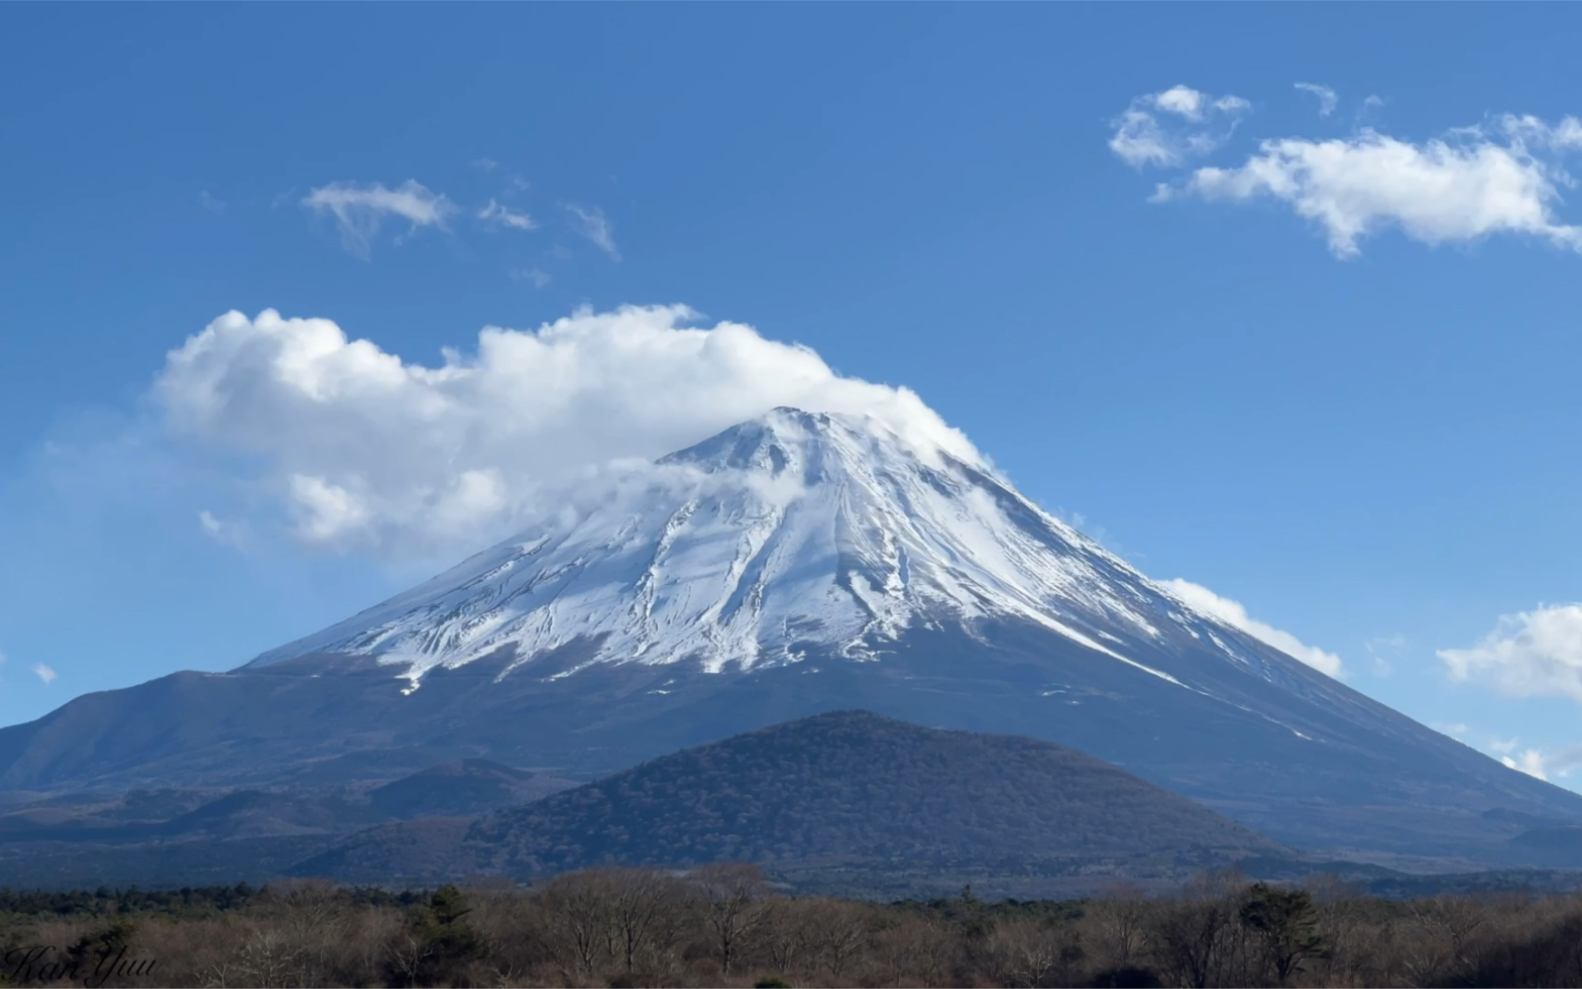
(792, 565)
(156, 838)
(1559, 845)
(457, 789)
(460, 789)
(846, 790)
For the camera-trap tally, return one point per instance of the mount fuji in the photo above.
(795, 564)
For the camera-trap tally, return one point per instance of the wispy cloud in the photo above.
(533, 276)
(497, 214)
(594, 225)
(232, 534)
(1531, 760)
(485, 165)
(1564, 761)
(1529, 654)
(1327, 100)
(1543, 763)
(44, 673)
(1382, 648)
(1168, 127)
(359, 210)
(1500, 178)
(211, 202)
(1234, 614)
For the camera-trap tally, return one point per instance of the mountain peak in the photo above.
(780, 439)
(788, 441)
(795, 533)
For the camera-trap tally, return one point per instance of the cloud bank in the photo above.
(369, 451)
(1530, 654)
(1234, 614)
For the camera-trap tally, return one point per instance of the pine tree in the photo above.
(1287, 924)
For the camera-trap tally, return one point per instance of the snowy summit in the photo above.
(789, 530)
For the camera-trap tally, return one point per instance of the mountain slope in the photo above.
(843, 789)
(793, 565)
(790, 530)
(461, 788)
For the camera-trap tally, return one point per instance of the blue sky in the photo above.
(1322, 363)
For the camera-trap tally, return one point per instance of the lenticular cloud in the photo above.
(366, 450)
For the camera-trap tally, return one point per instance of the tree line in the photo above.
(727, 925)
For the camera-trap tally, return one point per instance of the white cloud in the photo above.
(497, 214)
(211, 202)
(1381, 648)
(1232, 613)
(360, 210)
(325, 510)
(538, 278)
(1475, 182)
(484, 164)
(1530, 761)
(1529, 654)
(1327, 100)
(1142, 138)
(367, 450)
(223, 532)
(1563, 761)
(592, 224)
(44, 673)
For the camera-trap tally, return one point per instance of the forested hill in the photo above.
(848, 788)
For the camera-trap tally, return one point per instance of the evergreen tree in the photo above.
(1287, 923)
(441, 939)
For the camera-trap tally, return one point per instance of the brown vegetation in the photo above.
(723, 925)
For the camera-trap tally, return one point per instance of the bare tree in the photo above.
(579, 907)
(1023, 953)
(643, 911)
(1119, 924)
(836, 933)
(1193, 935)
(1445, 930)
(735, 905)
(784, 935)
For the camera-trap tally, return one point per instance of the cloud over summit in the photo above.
(367, 450)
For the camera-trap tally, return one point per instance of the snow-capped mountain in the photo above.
(787, 532)
(796, 564)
